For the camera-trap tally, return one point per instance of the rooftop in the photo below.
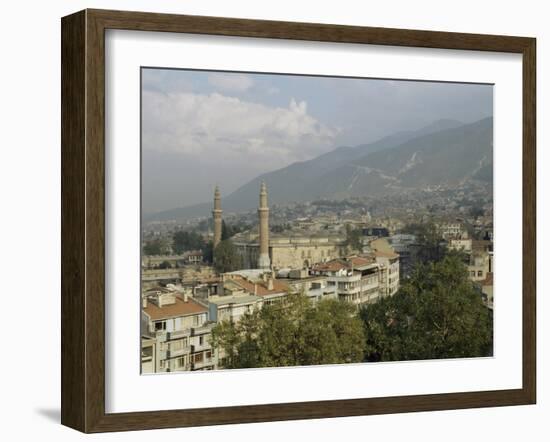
(334, 265)
(260, 288)
(221, 300)
(180, 308)
(381, 254)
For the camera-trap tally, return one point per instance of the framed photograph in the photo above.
(266, 221)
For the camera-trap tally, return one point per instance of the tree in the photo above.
(226, 234)
(476, 211)
(208, 252)
(226, 257)
(154, 247)
(354, 238)
(165, 265)
(430, 245)
(187, 241)
(437, 313)
(292, 332)
(205, 225)
(280, 228)
(332, 334)
(230, 230)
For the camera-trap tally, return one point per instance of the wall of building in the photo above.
(293, 254)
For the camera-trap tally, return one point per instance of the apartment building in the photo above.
(176, 332)
(357, 280)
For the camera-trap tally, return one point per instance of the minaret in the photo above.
(263, 215)
(217, 215)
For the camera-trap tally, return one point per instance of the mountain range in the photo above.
(447, 152)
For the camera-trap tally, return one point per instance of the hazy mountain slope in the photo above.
(339, 173)
(446, 157)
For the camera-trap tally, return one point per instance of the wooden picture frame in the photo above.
(83, 220)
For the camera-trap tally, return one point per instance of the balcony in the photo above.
(186, 367)
(209, 363)
(201, 330)
(168, 354)
(349, 291)
(369, 285)
(178, 334)
(195, 348)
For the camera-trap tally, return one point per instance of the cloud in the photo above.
(162, 80)
(231, 82)
(222, 128)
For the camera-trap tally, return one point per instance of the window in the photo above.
(198, 357)
(159, 326)
(146, 352)
(201, 340)
(181, 362)
(208, 355)
(479, 273)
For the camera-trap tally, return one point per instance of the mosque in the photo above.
(296, 249)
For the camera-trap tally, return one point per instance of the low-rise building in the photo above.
(487, 290)
(316, 288)
(178, 330)
(269, 289)
(231, 307)
(450, 229)
(480, 264)
(188, 274)
(359, 279)
(389, 272)
(406, 246)
(172, 261)
(388, 260)
(460, 244)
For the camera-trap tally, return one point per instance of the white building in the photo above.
(360, 280)
(176, 333)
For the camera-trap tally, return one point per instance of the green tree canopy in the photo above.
(437, 313)
(186, 241)
(165, 265)
(292, 332)
(154, 247)
(226, 257)
(476, 211)
(229, 230)
(354, 238)
(429, 241)
(208, 252)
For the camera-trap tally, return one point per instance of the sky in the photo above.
(200, 128)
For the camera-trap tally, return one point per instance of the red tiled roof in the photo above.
(261, 287)
(180, 308)
(381, 254)
(330, 266)
(360, 261)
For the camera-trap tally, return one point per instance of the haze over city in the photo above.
(202, 127)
